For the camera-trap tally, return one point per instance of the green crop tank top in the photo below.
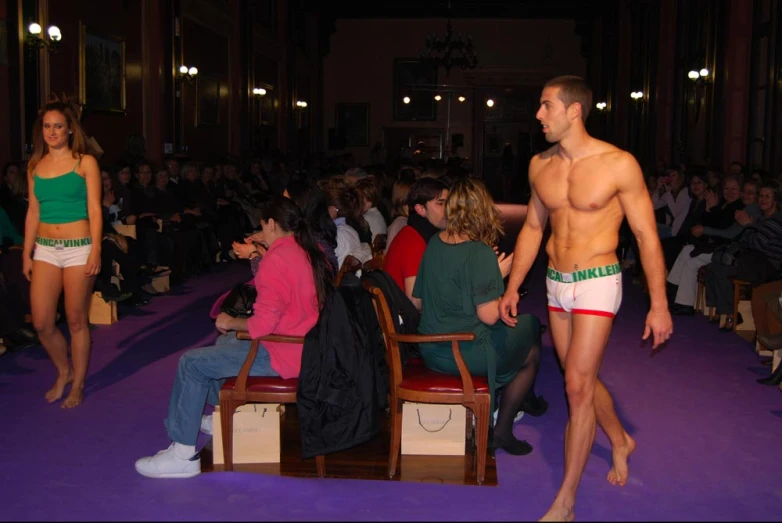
(62, 199)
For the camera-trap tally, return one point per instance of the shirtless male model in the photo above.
(586, 186)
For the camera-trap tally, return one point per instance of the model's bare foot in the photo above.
(559, 512)
(619, 471)
(74, 398)
(58, 388)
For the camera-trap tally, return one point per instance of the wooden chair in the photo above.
(244, 388)
(417, 383)
(700, 295)
(349, 264)
(738, 287)
(376, 263)
(379, 244)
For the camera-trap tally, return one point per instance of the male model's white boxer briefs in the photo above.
(596, 291)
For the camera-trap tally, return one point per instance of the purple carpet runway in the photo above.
(709, 438)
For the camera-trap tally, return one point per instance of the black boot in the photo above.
(774, 379)
(534, 405)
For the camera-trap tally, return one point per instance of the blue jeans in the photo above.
(200, 375)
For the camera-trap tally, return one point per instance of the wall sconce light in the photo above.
(437, 97)
(301, 104)
(489, 103)
(461, 98)
(637, 96)
(36, 41)
(187, 73)
(406, 99)
(259, 91)
(601, 106)
(699, 76)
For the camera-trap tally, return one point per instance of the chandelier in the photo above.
(453, 50)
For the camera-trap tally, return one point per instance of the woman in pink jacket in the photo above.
(293, 280)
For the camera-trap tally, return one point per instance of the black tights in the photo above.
(513, 395)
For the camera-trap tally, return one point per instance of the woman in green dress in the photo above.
(460, 283)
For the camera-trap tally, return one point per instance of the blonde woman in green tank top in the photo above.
(62, 241)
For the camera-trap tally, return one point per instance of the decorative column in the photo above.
(736, 82)
(666, 69)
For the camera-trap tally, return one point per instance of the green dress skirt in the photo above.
(452, 281)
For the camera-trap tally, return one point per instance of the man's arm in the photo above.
(637, 206)
(528, 242)
(409, 285)
(525, 252)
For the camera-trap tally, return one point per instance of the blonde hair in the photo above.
(470, 211)
(77, 140)
(399, 198)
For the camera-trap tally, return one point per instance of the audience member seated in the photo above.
(196, 242)
(672, 195)
(750, 211)
(463, 253)
(345, 209)
(754, 256)
(13, 195)
(293, 281)
(719, 216)
(369, 191)
(195, 195)
(155, 248)
(14, 289)
(312, 201)
(714, 179)
(121, 182)
(426, 218)
(172, 168)
(673, 245)
(235, 192)
(399, 213)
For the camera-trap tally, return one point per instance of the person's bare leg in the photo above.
(560, 327)
(78, 292)
(622, 445)
(45, 289)
(582, 358)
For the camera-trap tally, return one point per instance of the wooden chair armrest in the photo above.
(241, 380)
(15, 248)
(454, 338)
(433, 338)
(244, 335)
(244, 372)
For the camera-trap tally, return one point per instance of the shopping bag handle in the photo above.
(450, 414)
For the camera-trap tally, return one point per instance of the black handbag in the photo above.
(239, 302)
(728, 254)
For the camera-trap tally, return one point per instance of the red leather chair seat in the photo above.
(415, 361)
(266, 384)
(423, 379)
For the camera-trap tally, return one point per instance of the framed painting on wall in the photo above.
(410, 73)
(353, 119)
(101, 71)
(208, 100)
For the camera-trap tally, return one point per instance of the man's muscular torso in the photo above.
(582, 204)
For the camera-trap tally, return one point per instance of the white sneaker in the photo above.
(166, 464)
(206, 424)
